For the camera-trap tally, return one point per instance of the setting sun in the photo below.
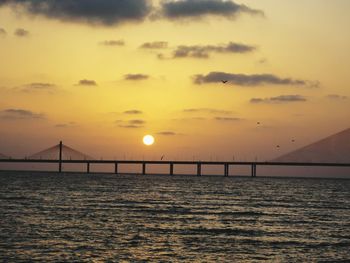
(148, 140)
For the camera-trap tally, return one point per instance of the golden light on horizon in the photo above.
(148, 140)
(122, 80)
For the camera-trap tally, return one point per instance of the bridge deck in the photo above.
(171, 164)
(175, 162)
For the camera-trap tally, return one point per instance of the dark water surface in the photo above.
(98, 218)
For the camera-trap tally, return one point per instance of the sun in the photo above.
(148, 140)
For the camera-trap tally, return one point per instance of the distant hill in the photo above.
(2, 156)
(335, 148)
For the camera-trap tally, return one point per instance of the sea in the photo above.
(50, 217)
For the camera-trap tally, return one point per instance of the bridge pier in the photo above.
(88, 167)
(226, 168)
(143, 168)
(60, 157)
(253, 170)
(171, 169)
(199, 169)
(116, 168)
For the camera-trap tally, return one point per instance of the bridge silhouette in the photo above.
(62, 154)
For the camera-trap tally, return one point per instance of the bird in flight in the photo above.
(258, 122)
(278, 146)
(293, 140)
(224, 81)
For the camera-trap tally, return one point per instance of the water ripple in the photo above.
(99, 218)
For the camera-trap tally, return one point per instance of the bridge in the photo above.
(61, 154)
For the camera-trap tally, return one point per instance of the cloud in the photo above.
(112, 43)
(40, 85)
(131, 124)
(207, 110)
(137, 122)
(2, 32)
(167, 133)
(37, 86)
(155, 45)
(115, 12)
(279, 99)
(86, 82)
(95, 12)
(227, 119)
(133, 112)
(198, 51)
(190, 9)
(136, 77)
(20, 114)
(337, 97)
(262, 61)
(66, 125)
(249, 80)
(20, 32)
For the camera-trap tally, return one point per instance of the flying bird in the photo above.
(278, 146)
(293, 140)
(258, 122)
(224, 81)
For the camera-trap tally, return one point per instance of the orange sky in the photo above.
(102, 79)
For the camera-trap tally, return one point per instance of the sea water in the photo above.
(133, 218)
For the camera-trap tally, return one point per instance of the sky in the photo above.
(101, 74)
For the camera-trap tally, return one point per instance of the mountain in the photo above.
(2, 156)
(333, 149)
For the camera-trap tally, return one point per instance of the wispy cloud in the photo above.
(137, 122)
(217, 118)
(20, 114)
(337, 97)
(203, 51)
(36, 87)
(87, 82)
(131, 124)
(279, 99)
(207, 110)
(135, 77)
(190, 9)
(250, 80)
(20, 32)
(155, 45)
(66, 125)
(2, 32)
(262, 61)
(112, 43)
(95, 12)
(167, 133)
(133, 112)
(227, 119)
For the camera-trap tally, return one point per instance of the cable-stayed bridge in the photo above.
(62, 154)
